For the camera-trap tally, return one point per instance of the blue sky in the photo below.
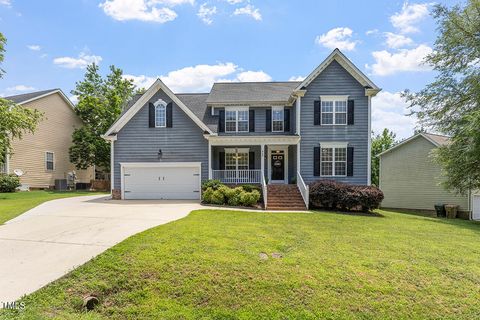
(192, 43)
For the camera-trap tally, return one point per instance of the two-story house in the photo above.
(164, 144)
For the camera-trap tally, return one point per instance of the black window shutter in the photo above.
(151, 115)
(221, 121)
(268, 121)
(350, 161)
(351, 108)
(169, 111)
(316, 161)
(317, 115)
(286, 120)
(251, 120)
(251, 160)
(221, 161)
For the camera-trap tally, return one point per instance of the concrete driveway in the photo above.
(48, 241)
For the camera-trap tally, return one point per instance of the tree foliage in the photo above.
(380, 143)
(451, 103)
(100, 102)
(15, 120)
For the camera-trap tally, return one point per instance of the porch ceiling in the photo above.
(252, 140)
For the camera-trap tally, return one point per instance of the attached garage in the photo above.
(161, 181)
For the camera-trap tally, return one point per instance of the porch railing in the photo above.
(264, 190)
(237, 176)
(304, 189)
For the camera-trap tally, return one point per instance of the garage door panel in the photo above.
(162, 182)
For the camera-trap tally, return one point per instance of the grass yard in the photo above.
(14, 204)
(334, 266)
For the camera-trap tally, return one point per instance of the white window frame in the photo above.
(334, 100)
(237, 151)
(53, 160)
(161, 106)
(237, 110)
(334, 146)
(278, 108)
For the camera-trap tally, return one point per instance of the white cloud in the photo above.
(81, 62)
(253, 76)
(234, 1)
(395, 41)
(170, 3)
(249, 10)
(296, 78)
(34, 47)
(205, 13)
(142, 10)
(74, 99)
(409, 16)
(370, 32)
(387, 63)
(337, 38)
(20, 88)
(7, 3)
(200, 78)
(389, 110)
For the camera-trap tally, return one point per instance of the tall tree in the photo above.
(15, 120)
(380, 143)
(451, 103)
(100, 102)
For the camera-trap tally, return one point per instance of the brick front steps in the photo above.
(284, 197)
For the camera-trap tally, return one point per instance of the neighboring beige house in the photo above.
(410, 179)
(43, 156)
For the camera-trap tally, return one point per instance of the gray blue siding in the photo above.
(335, 80)
(136, 142)
(260, 123)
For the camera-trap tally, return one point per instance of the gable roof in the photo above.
(143, 99)
(32, 96)
(251, 92)
(436, 139)
(338, 56)
(197, 103)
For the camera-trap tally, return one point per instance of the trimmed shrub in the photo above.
(207, 195)
(232, 196)
(249, 187)
(9, 182)
(217, 197)
(214, 184)
(249, 199)
(332, 195)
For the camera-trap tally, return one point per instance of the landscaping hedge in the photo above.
(332, 195)
(214, 192)
(9, 182)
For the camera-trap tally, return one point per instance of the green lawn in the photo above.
(14, 204)
(334, 266)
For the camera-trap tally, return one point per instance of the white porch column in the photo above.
(112, 166)
(209, 160)
(262, 155)
(297, 114)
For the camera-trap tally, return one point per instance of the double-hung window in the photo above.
(277, 119)
(160, 114)
(49, 161)
(236, 119)
(236, 159)
(334, 110)
(333, 161)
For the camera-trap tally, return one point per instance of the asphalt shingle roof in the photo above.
(19, 98)
(245, 92)
(197, 102)
(439, 139)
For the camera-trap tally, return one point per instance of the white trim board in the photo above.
(338, 56)
(60, 92)
(154, 88)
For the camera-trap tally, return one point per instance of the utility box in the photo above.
(451, 210)
(61, 184)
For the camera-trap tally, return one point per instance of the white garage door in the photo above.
(161, 181)
(476, 207)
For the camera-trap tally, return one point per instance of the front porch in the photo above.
(242, 164)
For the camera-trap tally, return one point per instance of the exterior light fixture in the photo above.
(160, 154)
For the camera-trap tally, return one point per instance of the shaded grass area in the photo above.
(14, 204)
(334, 266)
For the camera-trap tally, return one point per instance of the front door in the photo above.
(277, 162)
